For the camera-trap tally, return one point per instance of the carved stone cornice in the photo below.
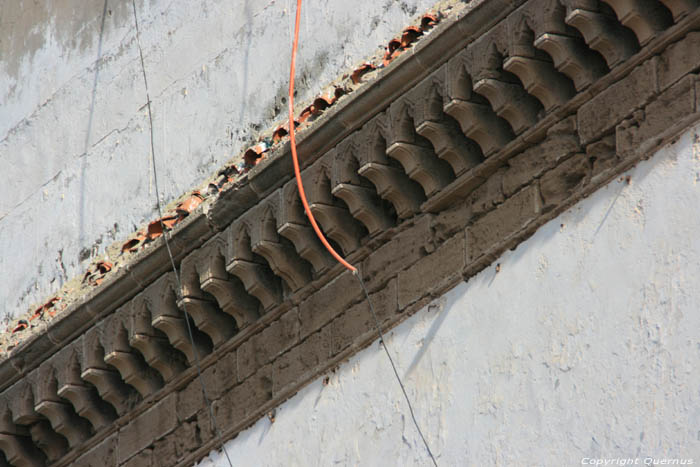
(494, 123)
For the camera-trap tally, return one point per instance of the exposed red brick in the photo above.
(190, 204)
(298, 345)
(428, 21)
(410, 35)
(155, 228)
(363, 69)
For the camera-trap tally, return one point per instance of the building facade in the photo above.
(515, 180)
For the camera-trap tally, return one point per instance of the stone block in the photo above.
(603, 155)
(347, 328)
(142, 459)
(532, 162)
(223, 375)
(612, 105)
(487, 195)
(448, 222)
(206, 431)
(239, 402)
(164, 452)
(218, 379)
(156, 422)
(679, 59)
(266, 345)
(563, 180)
(280, 335)
(326, 303)
(442, 266)
(169, 450)
(496, 226)
(189, 400)
(672, 105)
(401, 251)
(248, 361)
(300, 361)
(103, 454)
(626, 133)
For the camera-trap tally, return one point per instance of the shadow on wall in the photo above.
(438, 306)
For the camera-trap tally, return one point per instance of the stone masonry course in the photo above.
(499, 130)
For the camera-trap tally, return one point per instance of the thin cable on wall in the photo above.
(321, 236)
(207, 401)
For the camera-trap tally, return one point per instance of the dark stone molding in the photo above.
(496, 123)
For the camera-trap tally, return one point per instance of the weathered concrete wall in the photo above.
(73, 126)
(578, 346)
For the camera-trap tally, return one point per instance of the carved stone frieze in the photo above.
(508, 113)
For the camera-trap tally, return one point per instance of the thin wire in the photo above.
(312, 220)
(322, 238)
(396, 373)
(207, 401)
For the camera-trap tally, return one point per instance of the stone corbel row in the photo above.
(507, 80)
(367, 184)
(467, 110)
(446, 126)
(102, 375)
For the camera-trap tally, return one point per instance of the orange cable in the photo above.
(319, 234)
(297, 172)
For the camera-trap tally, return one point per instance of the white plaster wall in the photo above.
(74, 149)
(584, 347)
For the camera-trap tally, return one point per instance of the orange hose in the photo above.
(295, 158)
